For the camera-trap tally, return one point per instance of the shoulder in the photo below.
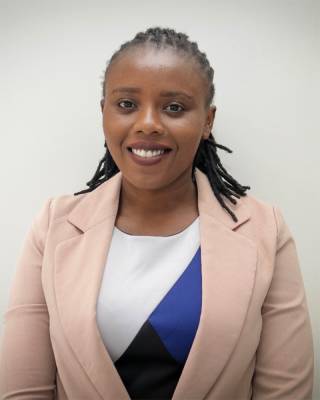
(56, 208)
(267, 219)
(63, 204)
(264, 210)
(259, 209)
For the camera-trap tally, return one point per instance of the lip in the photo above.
(148, 161)
(149, 145)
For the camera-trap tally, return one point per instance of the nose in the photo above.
(148, 120)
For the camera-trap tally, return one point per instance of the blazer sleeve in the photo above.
(27, 364)
(285, 355)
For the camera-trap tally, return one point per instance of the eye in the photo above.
(126, 102)
(129, 102)
(176, 105)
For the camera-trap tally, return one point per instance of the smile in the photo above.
(146, 158)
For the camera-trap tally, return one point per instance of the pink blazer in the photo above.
(254, 339)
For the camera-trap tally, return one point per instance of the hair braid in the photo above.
(206, 159)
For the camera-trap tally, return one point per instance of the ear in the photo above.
(101, 104)
(209, 121)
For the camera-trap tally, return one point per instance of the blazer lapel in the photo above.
(79, 266)
(228, 266)
(228, 262)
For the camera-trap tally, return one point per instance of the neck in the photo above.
(177, 197)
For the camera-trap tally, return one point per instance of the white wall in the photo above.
(266, 61)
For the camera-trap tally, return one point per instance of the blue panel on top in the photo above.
(177, 316)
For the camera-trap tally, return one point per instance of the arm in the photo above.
(27, 364)
(285, 359)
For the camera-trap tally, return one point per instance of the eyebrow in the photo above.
(168, 93)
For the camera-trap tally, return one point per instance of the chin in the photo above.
(145, 181)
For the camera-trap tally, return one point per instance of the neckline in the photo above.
(158, 237)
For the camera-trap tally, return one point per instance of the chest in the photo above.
(160, 226)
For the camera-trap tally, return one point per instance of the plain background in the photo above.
(266, 60)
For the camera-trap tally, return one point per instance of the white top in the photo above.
(139, 271)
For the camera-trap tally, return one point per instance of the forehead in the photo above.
(156, 69)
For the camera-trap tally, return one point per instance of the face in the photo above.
(144, 112)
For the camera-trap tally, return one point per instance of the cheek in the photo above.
(189, 151)
(188, 140)
(114, 130)
(112, 140)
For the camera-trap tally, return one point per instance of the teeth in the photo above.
(148, 153)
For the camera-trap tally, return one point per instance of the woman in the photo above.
(155, 283)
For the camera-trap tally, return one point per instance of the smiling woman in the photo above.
(158, 89)
(156, 283)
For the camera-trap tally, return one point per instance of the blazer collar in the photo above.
(228, 267)
(102, 203)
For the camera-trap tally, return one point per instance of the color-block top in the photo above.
(149, 306)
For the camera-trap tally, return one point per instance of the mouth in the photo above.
(165, 150)
(147, 160)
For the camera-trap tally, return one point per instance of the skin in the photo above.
(158, 200)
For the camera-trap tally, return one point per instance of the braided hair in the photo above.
(206, 158)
